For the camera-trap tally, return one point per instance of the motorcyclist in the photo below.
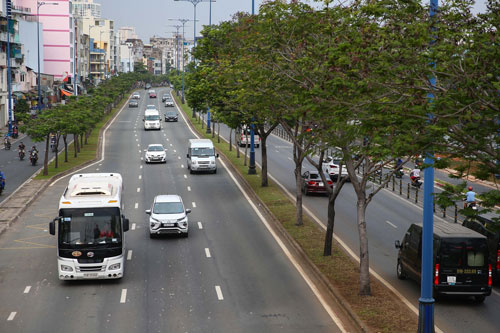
(6, 141)
(470, 197)
(15, 131)
(415, 175)
(33, 150)
(399, 164)
(21, 146)
(2, 181)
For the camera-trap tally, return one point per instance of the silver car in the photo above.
(168, 216)
(155, 153)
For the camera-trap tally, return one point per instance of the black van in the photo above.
(485, 225)
(460, 263)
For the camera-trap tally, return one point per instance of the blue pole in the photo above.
(251, 167)
(426, 301)
(194, 34)
(9, 72)
(253, 7)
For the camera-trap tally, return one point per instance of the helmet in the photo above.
(470, 188)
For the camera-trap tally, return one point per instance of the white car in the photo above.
(169, 103)
(332, 167)
(155, 153)
(168, 216)
(136, 96)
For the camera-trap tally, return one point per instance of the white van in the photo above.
(243, 137)
(201, 156)
(152, 120)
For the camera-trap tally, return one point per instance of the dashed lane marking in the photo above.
(140, 176)
(140, 167)
(136, 205)
(11, 316)
(123, 297)
(133, 226)
(194, 204)
(200, 226)
(179, 157)
(129, 255)
(182, 166)
(138, 189)
(189, 188)
(207, 252)
(219, 293)
(27, 289)
(392, 225)
(185, 176)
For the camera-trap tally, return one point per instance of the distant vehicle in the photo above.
(201, 156)
(136, 96)
(152, 120)
(90, 228)
(460, 260)
(155, 153)
(133, 104)
(147, 86)
(169, 103)
(312, 183)
(165, 97)
(243, 137)
(332, 167)
(152, 93)
(171, 116)
(150, 107)
(168, 216)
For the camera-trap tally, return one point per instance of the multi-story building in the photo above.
(172, 51)
(127, 33)
(86, 8)
(102, 49)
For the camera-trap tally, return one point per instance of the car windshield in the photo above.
(155, 148)
(168, 208)
(89, 226)
(464, 253)
(150, 107)
(152, 117)
(202, 151)
(171, 113)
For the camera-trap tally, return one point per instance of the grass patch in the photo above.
(381, 312)
(87, 151)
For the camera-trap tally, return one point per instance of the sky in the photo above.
(151, 17)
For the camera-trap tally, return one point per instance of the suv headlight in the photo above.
(114, 267)
(66, 268)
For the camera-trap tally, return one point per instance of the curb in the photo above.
(47, 182)
(349, 318)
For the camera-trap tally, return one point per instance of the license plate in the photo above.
(320, 184)
(168, 224)
(451, 279)
(90, 275)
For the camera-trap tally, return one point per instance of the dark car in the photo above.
(487, 226)
(147, 86)
(312, 183)
(165, 97)
(171, 116)
(460, 260)
(133, 104)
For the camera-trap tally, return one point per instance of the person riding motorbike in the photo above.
(2, 181)
(415, 177)
(470, 198)
(6, 142)
(33, 155)
(399, 168)
(21, 149)
(15, 131)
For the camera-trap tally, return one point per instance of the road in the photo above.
(388, 218)
(230, 275)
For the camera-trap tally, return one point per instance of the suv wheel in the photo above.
(399, 271)
(479, 299)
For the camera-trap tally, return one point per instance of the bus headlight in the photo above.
(114, 267)
(66, 268)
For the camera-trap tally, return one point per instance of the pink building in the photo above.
(57, 35)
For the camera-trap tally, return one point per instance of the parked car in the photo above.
(243, 137)
(485, 225)
(152, 93)
(332, 166)
(460, 260)
(168, 216)
(169, 103)
(312, 183)
(171, 116)
(165, 97)
(155, 153)
(133, 104)
(136, 96)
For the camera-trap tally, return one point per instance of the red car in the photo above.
(312, 183)
(152, 94)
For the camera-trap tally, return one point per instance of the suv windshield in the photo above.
(168, 208)
(464, 253)
(89, 226)
(150, 107)
(202, 151)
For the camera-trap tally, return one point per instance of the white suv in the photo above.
(332, 167)
(168, 216)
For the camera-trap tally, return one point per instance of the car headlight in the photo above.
(154, 223)
(114, 267)
(66, 268)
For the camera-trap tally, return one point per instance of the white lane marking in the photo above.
(168, 139)
(175, 151)
(200, 226)
(392, 225)
(137, 140)
(290, 158)
(189, 188)
(185, 176)
(129, 255)
(179, 157)
(11, 316)
(141, 158)
(99, 164)
(207, 252)
(182, 166)
(135, 134)
(138, 189)
(140, 151)
(140, 176)
(123, 297)
(219, 293)
(133, 226)
(170, 145)
(136, 205)
(194, 204)
(138, 145)
(140, 167)
(27, 289)
(97, 169)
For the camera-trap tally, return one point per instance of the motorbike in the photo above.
(21, 154)
(415, 182)
(15, 133)
(33, 157)
(472, 205)
(2, 185)
(399, 173)
(6, 144)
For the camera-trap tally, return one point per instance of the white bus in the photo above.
(90, 228)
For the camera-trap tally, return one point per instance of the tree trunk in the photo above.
(213, 129)
(237, 146)
(81, 141)
(263, 152)
(327, 250)
(246, 149)
(218, 132)
(46, 157)
(75, 145)
(58, 137)
(364, 262)
(65, 148)
(230, 139)
(298, 193)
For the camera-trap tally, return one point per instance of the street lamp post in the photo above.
(89, 73)
(183, 21)
(177, 27)
(195, 2)
(9, 87)
(251, 166)
(208, 112)
(38, 5)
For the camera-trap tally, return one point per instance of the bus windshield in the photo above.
(90, 226)
(153, 117)
(202, 151)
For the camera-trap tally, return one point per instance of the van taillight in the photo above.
(498, 259)
(436, 275)
(489, 275)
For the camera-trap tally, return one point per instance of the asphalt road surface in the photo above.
(230, 275)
